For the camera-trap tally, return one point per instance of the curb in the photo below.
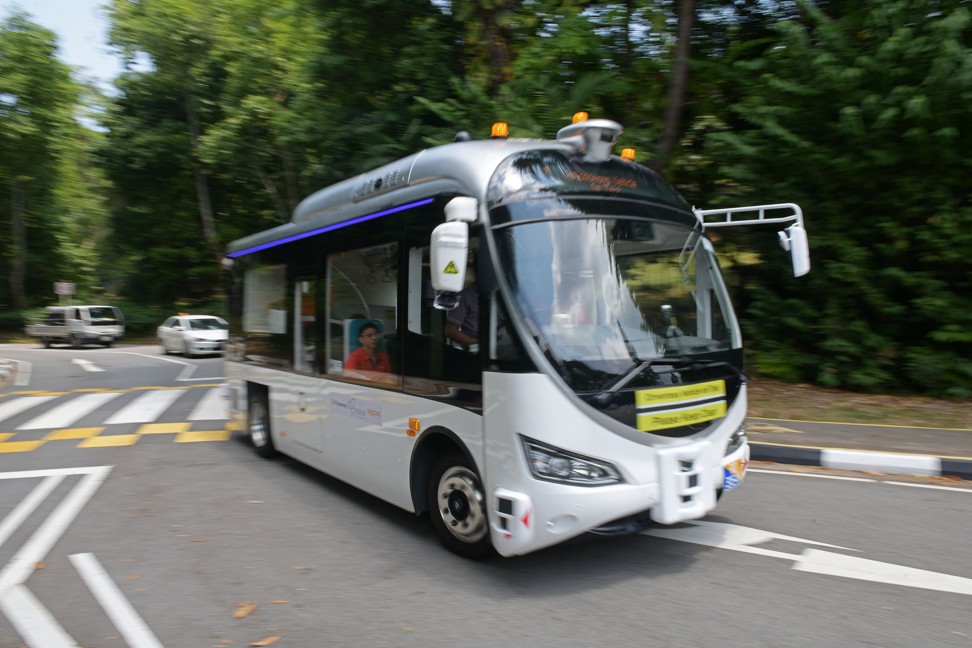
(863, 460)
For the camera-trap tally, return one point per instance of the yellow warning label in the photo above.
(664, 419)
(451, 268)
(680, 393)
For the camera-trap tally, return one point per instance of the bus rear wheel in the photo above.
(457, 506)
(258, 425)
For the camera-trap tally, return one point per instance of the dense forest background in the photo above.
(230, 111)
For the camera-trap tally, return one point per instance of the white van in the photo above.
(79, 325)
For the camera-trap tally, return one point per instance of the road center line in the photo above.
(137, 634)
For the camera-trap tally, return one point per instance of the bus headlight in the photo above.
(736, 441)
(553, 464)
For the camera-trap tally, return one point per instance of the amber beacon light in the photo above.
(500, 129)
(628, 153)
(579, 117)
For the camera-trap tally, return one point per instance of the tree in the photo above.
(861, 116)
(37, 97)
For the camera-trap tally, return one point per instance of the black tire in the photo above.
(457, 507)
(76, 341)
(46, 343)
(106, 344)
(258, 425)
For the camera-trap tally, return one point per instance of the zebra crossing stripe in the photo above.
(212, 407)
(65, 414)
(15, 407)
(146, 407)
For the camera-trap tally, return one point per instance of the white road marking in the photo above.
(10, 408)
(24, 370)
(860, 479)
(36, 626)
(87, 365)
(812, 475)
(738, 538)
(66, 414)
(146, 407)
(186, 372)
(212, 407)
(22, 564)
(135, 631)
(16, 517)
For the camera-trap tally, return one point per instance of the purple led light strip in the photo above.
(353, 221)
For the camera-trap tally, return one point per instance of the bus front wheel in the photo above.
(258, 425)
(457, 506)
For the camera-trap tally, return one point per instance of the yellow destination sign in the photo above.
(680, 394)
(669, 407)
(661, 420)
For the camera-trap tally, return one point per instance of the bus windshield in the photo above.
(603, 294)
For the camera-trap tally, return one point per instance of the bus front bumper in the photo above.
(686, 489)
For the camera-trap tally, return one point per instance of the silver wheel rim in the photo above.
(460, 504)
(258, 428)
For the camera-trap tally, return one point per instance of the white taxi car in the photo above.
(193, 334)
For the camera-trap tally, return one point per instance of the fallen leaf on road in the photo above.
(281, 601)
(198, 540)
(266, 642)
(134, 576)
(39, 565)
(243, 609)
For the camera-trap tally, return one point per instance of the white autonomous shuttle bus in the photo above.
(598, 382)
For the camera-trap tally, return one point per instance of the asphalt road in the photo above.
(181, 540)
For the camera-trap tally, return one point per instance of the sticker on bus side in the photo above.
(667, 407)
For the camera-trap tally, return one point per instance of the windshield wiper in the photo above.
(693, 364)
(675, 363)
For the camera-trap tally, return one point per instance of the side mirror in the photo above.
(449, 251)
(794, 240)
(447, 258)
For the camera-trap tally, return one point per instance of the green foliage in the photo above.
(863, 120)
(41, 145)
(231, 111)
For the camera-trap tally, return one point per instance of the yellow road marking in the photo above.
(73, 433)
(19, 446)
(110, 441)
(163, 428)
(203, 435)
(41, 392)
(5, 435)
(769, 427)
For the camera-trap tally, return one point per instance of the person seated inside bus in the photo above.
(462, 322)
(368, 362)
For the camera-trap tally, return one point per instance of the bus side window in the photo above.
(429, 353)
(362, 288)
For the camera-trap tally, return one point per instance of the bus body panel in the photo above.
(355, 433)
